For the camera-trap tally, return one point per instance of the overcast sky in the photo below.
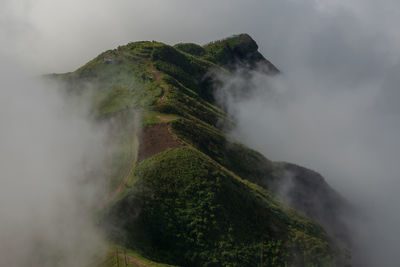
(55, 36)
(335, 110)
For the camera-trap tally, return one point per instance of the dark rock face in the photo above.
(246, 52)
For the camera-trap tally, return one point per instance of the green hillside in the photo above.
(181, 191)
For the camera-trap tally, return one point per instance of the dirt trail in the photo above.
(132, 259)
(158, 77)
(128, 172)
(123, 182)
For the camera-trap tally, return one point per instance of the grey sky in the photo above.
(63, 35)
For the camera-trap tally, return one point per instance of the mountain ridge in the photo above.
(195, 196)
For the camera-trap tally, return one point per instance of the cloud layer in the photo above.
(51, 178)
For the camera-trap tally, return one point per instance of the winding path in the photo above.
(158, 77)
(132, 163)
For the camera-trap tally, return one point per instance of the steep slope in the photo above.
(187, 194)
(185, 209)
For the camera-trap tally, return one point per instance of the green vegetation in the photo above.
(118, 256)
(153, 117)
(224, 51)
(122, 149)
(208, 203)
(190, 48)
(241, 160)
(186, 103)
(186, 69)
(188, 211)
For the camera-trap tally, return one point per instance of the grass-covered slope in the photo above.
(184, 209)
(181, 191)
(303, 189)
(244, 162)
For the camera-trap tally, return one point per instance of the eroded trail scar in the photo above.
(155, 139)
(158, 77)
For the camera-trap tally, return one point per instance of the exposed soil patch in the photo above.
(155, 139)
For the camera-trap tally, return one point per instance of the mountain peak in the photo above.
(240, 50)
(243, 43)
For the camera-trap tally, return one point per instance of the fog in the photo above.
(51, 178)
(334, 108)
(347, 136)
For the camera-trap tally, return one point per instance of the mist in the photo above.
(349, 135)
(51, 179)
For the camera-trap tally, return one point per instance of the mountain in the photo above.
(181, 190)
